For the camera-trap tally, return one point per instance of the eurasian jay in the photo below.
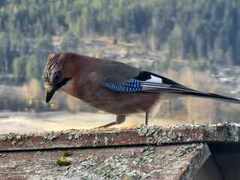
(112, 86)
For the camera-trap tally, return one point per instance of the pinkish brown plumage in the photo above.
(111, 86)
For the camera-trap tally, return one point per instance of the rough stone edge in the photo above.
(145, 135)
(201, 156)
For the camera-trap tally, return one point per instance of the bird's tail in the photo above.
(209, 95)
(160, 84)
(183, 90)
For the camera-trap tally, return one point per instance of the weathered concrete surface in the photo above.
(145, 162)
(153, 135)
(176, 153)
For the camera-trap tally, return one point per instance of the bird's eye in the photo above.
(57, 76)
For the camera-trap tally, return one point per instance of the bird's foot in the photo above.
(120, 119)
(107, 125)
(146, 118)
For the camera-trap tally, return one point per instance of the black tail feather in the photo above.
(209, 95)
(182, 90)
(171, 87)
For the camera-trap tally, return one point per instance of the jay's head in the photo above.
(57, 73)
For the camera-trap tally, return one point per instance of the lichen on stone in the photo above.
(64, 160)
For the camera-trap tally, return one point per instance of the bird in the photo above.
(113, 86)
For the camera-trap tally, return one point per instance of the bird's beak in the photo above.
(49, 93)
(51, 89)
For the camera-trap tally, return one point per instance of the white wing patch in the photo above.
(154, 79)
(154, 83)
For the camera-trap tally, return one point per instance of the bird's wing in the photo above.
(117, 72)
(147, 82)
(143, 82)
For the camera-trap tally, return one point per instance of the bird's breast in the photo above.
(117, 103)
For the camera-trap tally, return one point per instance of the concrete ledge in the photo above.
(153, 135)
(179, 153)
(145, 162)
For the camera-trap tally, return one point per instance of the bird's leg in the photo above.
(146, 118)
(119, 120)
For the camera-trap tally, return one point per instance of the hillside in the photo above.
(188, 29)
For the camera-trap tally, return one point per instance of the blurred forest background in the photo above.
(193, 41)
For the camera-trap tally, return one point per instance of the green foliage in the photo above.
(33, 70)
(70, 42)
(19, 71)
(187, 29)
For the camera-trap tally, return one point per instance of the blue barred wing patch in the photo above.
(131, 86)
